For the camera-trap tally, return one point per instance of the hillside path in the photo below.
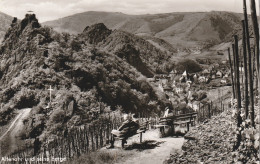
(158, 151)
(9, 138)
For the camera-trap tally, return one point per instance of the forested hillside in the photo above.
(144, 56)
(88, 81)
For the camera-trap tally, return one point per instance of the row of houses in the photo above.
(203, 77)
(182, 90)
(178, 85)
(194, 50)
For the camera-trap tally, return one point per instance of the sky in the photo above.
(46, 10)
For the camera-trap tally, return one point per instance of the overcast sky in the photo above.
(53, 9)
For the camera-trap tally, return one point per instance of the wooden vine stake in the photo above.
(231, 69)
(258, 67)
(256, 33)
(234, 66)
(245, 69)
(238, 92)
(251, 83)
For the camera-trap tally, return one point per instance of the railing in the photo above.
(77, 141)
(89, 138)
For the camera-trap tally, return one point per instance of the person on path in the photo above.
(128, 128)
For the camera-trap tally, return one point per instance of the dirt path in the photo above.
(11, 126)
(8, 141)
(153, 150)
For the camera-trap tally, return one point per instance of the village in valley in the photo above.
(192, 88)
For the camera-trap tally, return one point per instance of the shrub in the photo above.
(6, 114)
(1, 74)
(188, 65)
(75, 45)
(96, 158)
(202, 95)
(25, 98)
(57, 116)
(8, 94)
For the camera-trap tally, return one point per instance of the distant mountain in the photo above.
(179, 29)
(4, 25)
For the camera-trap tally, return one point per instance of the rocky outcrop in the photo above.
(154, 59)
(132, 56)
(29, 20)
(96, 33)
(99, 35)
(21, 34)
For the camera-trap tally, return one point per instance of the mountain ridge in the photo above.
(180, 29)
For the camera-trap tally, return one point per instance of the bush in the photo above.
(8, 94)
(25, 99)
(57, 116)
(75, 45)
(1, 74)
(188, 65)
(96, 158)
(6, 114)
(201, 96)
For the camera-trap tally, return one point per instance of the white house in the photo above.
(184, 74)
(173, 84)
(224, 62)
(188, 81)
(188, 84)
(223, 81)
(203, 79)
(164, 81)
(194, 105)
(179, 90)
(160, 87)
(219, 74)
(205, 72)
(226, 75)
(190, 95)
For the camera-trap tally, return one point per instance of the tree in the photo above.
(189, 65)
